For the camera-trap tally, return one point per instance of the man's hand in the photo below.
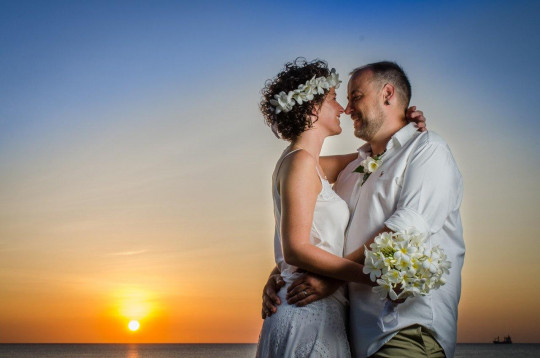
(398, 289)
(270, 298)
(417, 117)
(310, 288)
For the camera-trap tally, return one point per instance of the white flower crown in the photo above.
(284, 102)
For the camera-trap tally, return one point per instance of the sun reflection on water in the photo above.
(133, 351)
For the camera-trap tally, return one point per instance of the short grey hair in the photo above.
(389, 72)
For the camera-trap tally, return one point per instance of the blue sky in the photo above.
(63, 55)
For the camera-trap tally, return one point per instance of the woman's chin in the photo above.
(332, 131)
(338, 131)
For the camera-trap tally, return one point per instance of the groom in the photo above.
(417, 185)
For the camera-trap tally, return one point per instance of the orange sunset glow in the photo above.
(135, 165)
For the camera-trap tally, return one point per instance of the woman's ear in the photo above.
(315, 111)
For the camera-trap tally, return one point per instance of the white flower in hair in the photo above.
(283, 102)
(333, 79)
(318, 84)
(304, 93)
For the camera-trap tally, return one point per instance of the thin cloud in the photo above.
(127, 253)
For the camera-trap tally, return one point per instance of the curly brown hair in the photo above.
(291, 124)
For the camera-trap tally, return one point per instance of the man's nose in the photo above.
(348, 109)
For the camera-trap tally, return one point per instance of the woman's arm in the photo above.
(334, 164)
(359, 254)
(299, 188)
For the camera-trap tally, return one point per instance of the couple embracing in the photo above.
(318, 301)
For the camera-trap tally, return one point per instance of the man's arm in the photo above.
(432, 189)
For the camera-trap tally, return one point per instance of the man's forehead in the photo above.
(358, 81)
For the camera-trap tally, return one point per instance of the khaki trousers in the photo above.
(411, 342)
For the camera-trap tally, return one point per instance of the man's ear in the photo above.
(388, 92)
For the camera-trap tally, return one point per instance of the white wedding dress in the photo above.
(318, 329)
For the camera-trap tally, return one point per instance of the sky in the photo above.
(135, 166)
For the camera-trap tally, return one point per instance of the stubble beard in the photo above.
(370, 126)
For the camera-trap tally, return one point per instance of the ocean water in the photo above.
(126, 350)
(216, 350)
(490, 350)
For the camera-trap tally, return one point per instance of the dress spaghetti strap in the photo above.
(280, 162)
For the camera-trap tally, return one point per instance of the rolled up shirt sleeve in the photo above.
(432, 189)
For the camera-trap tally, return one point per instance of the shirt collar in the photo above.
(398, 139)
(404, 135)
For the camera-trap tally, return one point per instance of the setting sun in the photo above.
(134, 325)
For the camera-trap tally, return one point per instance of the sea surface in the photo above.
(216, 350)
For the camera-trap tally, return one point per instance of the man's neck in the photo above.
(380, 140)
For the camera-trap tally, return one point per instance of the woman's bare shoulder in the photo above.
(299, 165)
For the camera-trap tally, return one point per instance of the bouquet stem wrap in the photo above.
(389, 316)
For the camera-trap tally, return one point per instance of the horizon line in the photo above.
(203, 343)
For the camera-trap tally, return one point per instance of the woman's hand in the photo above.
(417, 117)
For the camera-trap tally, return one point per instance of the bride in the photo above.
(300, 106)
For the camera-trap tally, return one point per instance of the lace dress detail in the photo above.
(318, 329)
(327, 193)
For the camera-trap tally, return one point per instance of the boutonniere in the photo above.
(369, 165)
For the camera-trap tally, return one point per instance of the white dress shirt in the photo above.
(418, 185)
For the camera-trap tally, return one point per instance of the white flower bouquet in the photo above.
(405, 260)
